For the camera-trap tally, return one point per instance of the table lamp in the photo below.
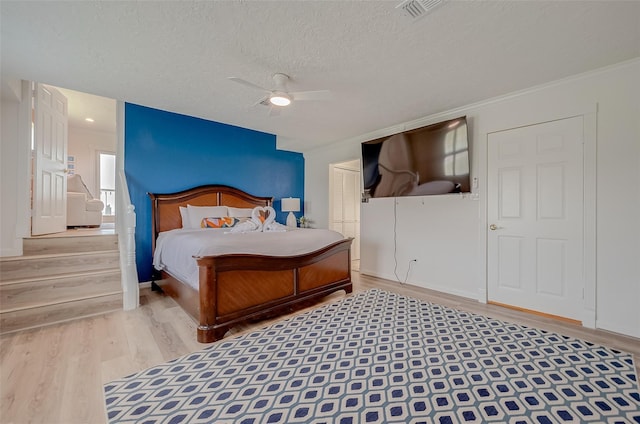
(291, 205)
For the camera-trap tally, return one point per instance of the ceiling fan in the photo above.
(278, 95)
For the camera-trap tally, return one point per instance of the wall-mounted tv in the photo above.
(424, 161)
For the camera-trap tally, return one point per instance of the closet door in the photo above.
(346, 206)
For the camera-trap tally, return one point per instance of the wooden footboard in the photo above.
(237, 288)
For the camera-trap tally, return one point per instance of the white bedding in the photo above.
(175, 249)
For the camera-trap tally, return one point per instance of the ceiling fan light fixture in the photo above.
(280, 99)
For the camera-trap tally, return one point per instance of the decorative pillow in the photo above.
(219, 222)
(184, 215)
(198, 213)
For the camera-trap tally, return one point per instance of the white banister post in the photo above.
(125, 225)
(130, 288)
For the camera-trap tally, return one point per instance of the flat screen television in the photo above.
(425, 161)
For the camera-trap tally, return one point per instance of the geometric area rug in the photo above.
(380, 357)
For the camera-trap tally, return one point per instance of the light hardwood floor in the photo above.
(55, 374)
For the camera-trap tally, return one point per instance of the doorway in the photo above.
(344, 204)
(89, 130)
(535, 201)
(92, 133)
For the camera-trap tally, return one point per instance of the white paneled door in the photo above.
(49, 196)
(345, 216)
(535, 216)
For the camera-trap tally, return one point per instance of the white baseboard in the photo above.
(145, 285)
(436, 287)
(627, 330)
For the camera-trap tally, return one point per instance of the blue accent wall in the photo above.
(167, 152)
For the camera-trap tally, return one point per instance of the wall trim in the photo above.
(23, 179)
(589, 217)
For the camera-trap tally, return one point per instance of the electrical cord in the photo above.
(395, 246)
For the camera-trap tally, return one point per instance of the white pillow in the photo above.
(197, 213)
(184, 215)
(240, 212)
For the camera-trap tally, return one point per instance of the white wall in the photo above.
(439, 232)
(85, 145)
(618, 200)
(447, 234)
(14, 170)
(11, 244)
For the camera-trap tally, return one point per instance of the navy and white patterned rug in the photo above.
(379, 357)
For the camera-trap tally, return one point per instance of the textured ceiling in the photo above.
(382, 68)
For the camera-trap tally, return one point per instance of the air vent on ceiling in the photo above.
(418, 8)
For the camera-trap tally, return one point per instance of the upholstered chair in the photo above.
(82, 209)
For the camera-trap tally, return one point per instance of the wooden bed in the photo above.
(235, 288)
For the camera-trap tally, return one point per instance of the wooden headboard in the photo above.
(166, 212)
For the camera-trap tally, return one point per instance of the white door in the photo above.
(49, 198)
(345, 216)
(535, 215)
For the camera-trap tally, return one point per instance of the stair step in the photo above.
(69, 244)
(60, 312)
(24, 294)
(48, 265)
(59, 278)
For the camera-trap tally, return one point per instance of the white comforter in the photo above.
(175, 249)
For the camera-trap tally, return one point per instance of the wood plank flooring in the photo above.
(55, 374)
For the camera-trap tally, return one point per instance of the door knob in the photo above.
(493, 227)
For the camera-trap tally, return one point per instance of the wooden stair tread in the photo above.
(57, 255)
(35, 305)
(69, 244)
(106, 271)
(48, 265)
(71, 234)
(24, 319)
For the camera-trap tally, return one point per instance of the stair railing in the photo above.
(126, 229)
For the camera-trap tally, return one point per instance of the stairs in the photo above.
(59, 279)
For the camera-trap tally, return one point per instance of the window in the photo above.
(108, 183)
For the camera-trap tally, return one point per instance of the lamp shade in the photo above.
(291, 204)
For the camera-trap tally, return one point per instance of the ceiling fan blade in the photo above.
(311, 95)
(274, 110)
(263, 101)
(247, 83)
